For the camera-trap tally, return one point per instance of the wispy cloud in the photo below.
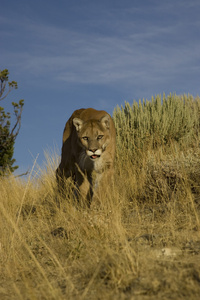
(144, 51)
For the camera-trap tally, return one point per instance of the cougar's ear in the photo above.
(77, 123)
(105, 121)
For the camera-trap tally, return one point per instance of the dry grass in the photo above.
(139, 241)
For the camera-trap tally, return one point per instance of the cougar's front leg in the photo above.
(83, 187)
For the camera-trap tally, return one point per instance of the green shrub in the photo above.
(158, 122)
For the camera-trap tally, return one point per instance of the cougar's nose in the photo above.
(93, 150)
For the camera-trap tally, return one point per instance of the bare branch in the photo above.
(23, 174)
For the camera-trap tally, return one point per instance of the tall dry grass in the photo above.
(139, 240)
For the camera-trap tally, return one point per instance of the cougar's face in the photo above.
(93, 136)
(93, 140)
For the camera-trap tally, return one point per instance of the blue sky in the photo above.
(67, 55)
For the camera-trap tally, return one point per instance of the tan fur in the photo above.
(89, 142)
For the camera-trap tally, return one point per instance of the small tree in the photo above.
(8, 134)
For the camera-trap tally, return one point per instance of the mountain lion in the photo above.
(89, 141)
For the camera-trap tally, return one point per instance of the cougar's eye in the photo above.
(99, 137)
(85, 138)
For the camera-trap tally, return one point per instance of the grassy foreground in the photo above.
(140, 240)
